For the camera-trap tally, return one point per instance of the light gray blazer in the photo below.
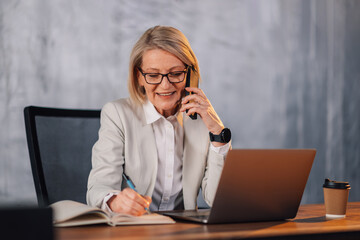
(127, 143)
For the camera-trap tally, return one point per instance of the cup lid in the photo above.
(335, 184)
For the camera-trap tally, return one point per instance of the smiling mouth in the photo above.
(165, 94)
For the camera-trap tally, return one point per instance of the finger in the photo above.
(135, 208)
(134, 203)
(136, 197)
(147, 198)
(194, 108)
(191, 105)
(193, 111)
(132, 207)
(196, 91)
(135, 212)
(193, 98)
(202, 106)
(122, 204)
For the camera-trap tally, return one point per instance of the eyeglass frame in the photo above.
(163, 75)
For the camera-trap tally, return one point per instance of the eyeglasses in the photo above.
(156, 78)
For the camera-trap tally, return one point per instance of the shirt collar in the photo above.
(152, 115)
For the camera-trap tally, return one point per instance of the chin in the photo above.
(168, 107)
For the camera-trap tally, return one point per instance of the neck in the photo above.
(172, 111)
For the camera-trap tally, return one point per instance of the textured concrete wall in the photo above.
(281, 74)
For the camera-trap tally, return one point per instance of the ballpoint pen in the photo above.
(132, 186)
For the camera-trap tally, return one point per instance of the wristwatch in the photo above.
(223, 137)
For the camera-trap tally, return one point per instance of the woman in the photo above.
(151, 138)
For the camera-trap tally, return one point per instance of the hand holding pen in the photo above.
(132, 186)
(128, 201)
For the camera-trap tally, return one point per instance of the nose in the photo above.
(165, 83)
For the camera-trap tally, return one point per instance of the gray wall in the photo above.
(281, 74)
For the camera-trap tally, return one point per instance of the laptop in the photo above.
(256, 185)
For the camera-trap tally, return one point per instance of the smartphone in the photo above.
(191, 81)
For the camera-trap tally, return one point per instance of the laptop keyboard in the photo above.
(196, 214)
(201, 217)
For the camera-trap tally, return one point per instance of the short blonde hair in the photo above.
(159, 37)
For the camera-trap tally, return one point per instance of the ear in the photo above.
(139, 79)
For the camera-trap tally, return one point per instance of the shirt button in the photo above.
(169, 175)
(166, 199)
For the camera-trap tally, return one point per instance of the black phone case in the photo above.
(187, 84)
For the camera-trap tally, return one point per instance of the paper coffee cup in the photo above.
(335, 197)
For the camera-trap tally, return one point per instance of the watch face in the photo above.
(226, 135)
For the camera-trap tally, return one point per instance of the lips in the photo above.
(165, 94)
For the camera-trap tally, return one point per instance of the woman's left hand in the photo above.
(198, 103)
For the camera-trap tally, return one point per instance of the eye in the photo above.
(175, 74)
(153, 75)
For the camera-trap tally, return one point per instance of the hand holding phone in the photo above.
(202, 105)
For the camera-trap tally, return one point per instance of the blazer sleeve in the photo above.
(107, 157)
(213, 169)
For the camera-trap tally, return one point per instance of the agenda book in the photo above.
(68, 213)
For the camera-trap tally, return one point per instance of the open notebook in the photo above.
(70, 213)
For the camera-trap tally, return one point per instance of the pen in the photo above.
(132, 186)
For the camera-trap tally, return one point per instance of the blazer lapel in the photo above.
(196, 144)
(148, 153)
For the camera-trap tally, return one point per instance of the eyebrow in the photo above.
(156, 69)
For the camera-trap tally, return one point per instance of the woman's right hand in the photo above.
(129, 202)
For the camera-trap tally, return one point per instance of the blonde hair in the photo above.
(159, 37)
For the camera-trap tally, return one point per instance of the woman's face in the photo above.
(165, 96)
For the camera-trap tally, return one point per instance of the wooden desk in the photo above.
(310, 223)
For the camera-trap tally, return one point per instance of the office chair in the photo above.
(60, 143)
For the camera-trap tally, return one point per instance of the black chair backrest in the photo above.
(60, 143)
